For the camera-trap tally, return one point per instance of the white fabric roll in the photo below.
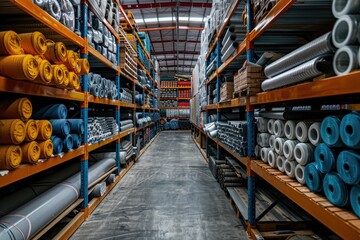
(290, 168)
(257, 151)
(262, 124)
(301, 131)
(304, 153)
(272, 141)
(263, 139)
(299, 174)
(270, 126)
(264, 154)
(280, 162)
(272, 158)
(279, 143)
(279, 126)
(288, 149)
(314, 133)
(289, 130)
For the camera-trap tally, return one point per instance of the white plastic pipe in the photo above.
(264, 154)
(299, 174)
(345, 7)
(279, 126)
(270, 126)
(288, 149)
(301, 131)
(272, 141)
(346, 60)
(263, 139)
(280, 162)
(346, 30)
(99, 190)
(262, 124)
(289, 129)
(279, 144)
(290, 168)
(304, 153)
(314, 133)
(272, 158)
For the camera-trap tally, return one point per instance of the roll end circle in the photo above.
(346, 59)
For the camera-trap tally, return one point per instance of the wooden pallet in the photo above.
(250, 91)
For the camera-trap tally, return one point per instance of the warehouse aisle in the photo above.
(169, 194)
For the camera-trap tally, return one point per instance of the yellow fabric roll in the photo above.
(58, 75)
(10, 156)
(44, 130)
(71, 60)
(12, 131)
(31, 152)
(10, 43)
(19, 67)
(85, 66)
(66, 81)
(31, 131)
(45, 73)
(56, 52)
(34, 43)
(13, 109)
(74, 81)
(77, 68)
(46, 149)
(39, 58)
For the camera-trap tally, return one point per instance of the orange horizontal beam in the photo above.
(170, 28)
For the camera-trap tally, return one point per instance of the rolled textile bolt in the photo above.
(31, 152)
(348, 166)
(301, 131)
(53, 111)
(336, 190)
(341, 7)
(13, 109)
(299, 174)
(31, 131)
(349, 130)
(76, 141)
(289, 167)
(12, 131)
(10, 43)
(76, 126)
(61, 127)
(111, 179)
(46, 149)
(354, 199)
(58, 75)
(313, 178)
(272, 141)
(272, 158)
(45, 73)
(288, 149)
(66, 80)
(314, 133)
(262, 124)
(279, 126)
(74, 81)
(44, 130)
(56, 52)
(270, 126)
(346, 60)
(304, 153)
(10, 156)
(280, 163)
(33, 43)
(99, 190)
(330, 131)
(85, 66)
(53, 8)
(325, 158)
(71, 60)
(278, 145)
(58, 145)
(345, 31)
(19, 67)
(68, 143)
(264, 139)
(289, 130)
(264, 154)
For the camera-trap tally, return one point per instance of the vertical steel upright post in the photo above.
(118, 114)
(250, 128)
(218, 86)
(84, 109)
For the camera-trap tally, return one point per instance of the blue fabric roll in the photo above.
(68, 143)
(355, 199)
(313, 177)
(336, 190)
(330, 131)
(76, 141)
(324, 158)
(54, 111)
(167, 126)
(61, 127)
(348, 167)
(58, 144)
(350, 129)
(76, 126)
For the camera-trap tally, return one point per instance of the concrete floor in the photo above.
(168, 194)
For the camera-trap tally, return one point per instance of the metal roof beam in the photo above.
(174, 59)
(174, 52)
(170, 28)
(181, 41)
(166, 4)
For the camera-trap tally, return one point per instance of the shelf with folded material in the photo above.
(35, 89)
(127, 105)
(94, 146)
(127, 77)
(168, 98)
(27, 170)
(236, 102)
(180, 98)
(180, 107)
(143, 127)
(104, 101)
(102, 59)
(145, 51)
(189, 87)
(127, 132)
(329, 87)
(148, 108)
(147, 72)
(243, 160)
(108, 25)
(211, 106)
(341, 222)
(39, 14)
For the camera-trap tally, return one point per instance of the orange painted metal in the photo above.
(123, 13)
(170, 28)
(127, 105)
(103, 59)
(338, 225)
(104, 101)
(28, 88)
(174, 107)
(127, 132)
(36, 12)
(211, 106)
(94, 146)
(237, 102)
(143, 127)
(112, 30)
(241, 50)
(26, 170)
(243, 160)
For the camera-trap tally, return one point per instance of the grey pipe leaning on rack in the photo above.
(37, 213)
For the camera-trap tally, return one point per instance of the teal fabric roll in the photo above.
(76, 141)
(336, 190)
(76, 126)
(325, 158)
(58, 144)
(350, 129)
(53, 111)
(68, 143)
(61, 127)
(330, 131)
(355, 199)
(313, 177)
(348, 167)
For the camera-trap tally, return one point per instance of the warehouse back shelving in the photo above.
(338, 89)
(53, 29)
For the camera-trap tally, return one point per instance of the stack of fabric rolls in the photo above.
(126, 125)
(126, 151)
(101, 128)
(102, 87)
(142, 119)
(67, 133)
(126, 95)
(32, 57)
(22, 139)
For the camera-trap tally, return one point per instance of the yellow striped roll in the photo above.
(31, 131)
(10, 156)
(12, 131)
(13, 109)
(10, 43)
(44, 130)
(31, 152)
(46, 149)
(34, 43)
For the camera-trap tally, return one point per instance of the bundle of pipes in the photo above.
(168, 93)
(126, 95)
(233, 134)
(126, 125)
(309, 61)
(32, 57)
(63, 11)
(101, 128)
(100, 37)
(168, 103)
(139, 98)
(234, 35)
(102, 87)
(37, 213)
(212, 65)
(345, 36)
(142, 119)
